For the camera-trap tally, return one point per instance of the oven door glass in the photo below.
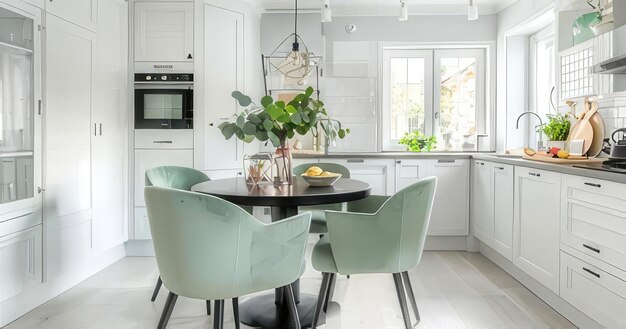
(163, 109)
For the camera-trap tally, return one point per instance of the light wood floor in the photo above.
(453, 290)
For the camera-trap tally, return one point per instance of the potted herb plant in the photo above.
(416, 141)
(557, 129)
(276, 121)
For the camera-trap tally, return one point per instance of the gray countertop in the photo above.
(565, 169)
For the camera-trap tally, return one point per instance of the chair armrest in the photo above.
(277, 251)
(369, 205)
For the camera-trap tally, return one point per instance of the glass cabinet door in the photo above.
(16, 107)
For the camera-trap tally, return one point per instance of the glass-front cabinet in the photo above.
(19, 122)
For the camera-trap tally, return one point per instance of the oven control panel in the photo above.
(163, 77)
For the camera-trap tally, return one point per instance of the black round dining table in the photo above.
(269, 311)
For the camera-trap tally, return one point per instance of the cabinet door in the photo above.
(482, 202)
(146, 159)
(450, 214)
(223, 73)
(68, 98)
(83, 13)
(502, 186)
(536, 225)
(20, 262)
(110, 133)
(164, 32)
(408, 172)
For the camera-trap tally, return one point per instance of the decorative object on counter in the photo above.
(558, 156)
(316, 177)
(557, 129)
(416, 141)
(277, 121)
(597, 123)
(589, 129)
(258, 168)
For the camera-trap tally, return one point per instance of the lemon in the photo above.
(328, 174)
(563, 154)
(314, 171)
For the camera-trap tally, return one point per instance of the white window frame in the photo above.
(432, 59)
(535, 39)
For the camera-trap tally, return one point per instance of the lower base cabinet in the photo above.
(596, 291)
(20, 262)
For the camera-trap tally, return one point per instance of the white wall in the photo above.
(275, 27)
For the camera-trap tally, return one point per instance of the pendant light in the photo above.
(404, 11)
(472, 11)
(326, 12)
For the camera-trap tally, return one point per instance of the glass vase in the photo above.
(282, 164)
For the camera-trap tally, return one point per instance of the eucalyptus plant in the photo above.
(277, 121)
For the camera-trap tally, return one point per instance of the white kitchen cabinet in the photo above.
(146, 159)
(110, 129)
(492, 210)
(83, 13)
(378, 173)
(20, 262)
(9, 179)
(409, 172)
(68, 97)
(536, 224)
(164, 32)
(450, 214)
(223, 73)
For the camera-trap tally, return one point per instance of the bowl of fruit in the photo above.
(316, 177)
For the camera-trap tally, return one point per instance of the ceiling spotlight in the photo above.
(472, 11)
(326, 12)
(404, 11)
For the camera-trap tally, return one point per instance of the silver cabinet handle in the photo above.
(446, 161)
(534, 174)
(100, 129)
(593, 185)
(356, 160)
(95, 129)
(162, 142)
(596, 250)
(499, 168)
(591, 272)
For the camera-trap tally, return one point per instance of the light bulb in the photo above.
(472, 11)
(404, 12)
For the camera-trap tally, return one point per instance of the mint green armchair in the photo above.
(318, 217)
(377, 235)
(208, 248)
(181, 178)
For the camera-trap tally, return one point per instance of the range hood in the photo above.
(617, 63)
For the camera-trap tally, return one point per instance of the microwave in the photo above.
(163, 101)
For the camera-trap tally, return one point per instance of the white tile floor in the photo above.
(453, 290)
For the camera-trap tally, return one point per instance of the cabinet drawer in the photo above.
(164, 138)
(20, 223)
(609, 195)
(594, 291)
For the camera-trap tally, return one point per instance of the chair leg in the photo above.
(156, 289)
(208, 307)
(291, 304)
(397, 278)
(236, 312)
(218, 314)
(320, 299)
(167, 310)
(330, 291)
(409, 292)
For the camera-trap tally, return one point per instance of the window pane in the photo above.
(457, 123)
(407, 96)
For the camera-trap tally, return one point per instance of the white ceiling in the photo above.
(389, 7)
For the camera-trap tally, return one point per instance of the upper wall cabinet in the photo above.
(164, 32)
(83, 13)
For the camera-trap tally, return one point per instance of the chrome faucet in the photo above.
(540, 142)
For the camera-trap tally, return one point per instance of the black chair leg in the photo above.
(218, 314)
(208, 307)
(409, 292)
(236, 312)
(321, 298)
(167, 310)
(291, 305)
(330, 291)
(156, 289)
(397, 278)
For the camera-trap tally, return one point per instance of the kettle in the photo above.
(618, 149)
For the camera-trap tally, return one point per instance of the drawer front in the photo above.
(164, 138)
(20, 223)
(595, 231)
(594, 291)
(609, 195)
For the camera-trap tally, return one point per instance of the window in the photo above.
(438, 92)
(542, 76)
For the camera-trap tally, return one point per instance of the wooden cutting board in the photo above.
(574, 160)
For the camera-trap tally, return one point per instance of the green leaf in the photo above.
(296, 118)
(239, 133)
(280, 104)
(241, 98)
(248, 138)
(274, 139)
(305, 103)
(290, 134)
(298, 98)
(302, 130)
(284, 118)
(261, 135)
(305, 117)
(266, 101)
(341, 133)
(249, 128)
(290, 109)
(255, 119)
(268, 125)
(241, 120)
(309, 91)
(273, 111)
(229, 130)
(222, 125)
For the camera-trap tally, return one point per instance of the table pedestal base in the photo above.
(262, 312)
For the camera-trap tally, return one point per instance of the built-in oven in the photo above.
(163, 101)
